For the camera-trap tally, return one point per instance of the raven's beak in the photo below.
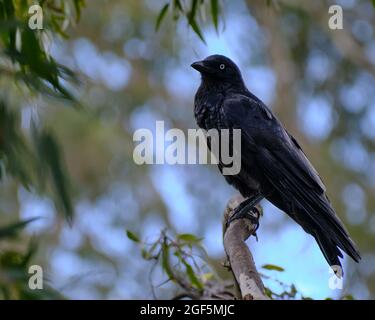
(199, 66)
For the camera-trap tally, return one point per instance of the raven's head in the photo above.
(219, 69)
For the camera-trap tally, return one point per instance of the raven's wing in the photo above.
(287, 169)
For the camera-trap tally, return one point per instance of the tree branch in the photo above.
(239, 256)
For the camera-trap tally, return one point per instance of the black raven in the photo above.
(273, 165)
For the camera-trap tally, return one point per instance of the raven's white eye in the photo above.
(222, 66)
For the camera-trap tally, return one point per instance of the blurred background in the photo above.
(66, 136)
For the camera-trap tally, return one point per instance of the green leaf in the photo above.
(293, 291)
(272, 267)
(161, 16)
(145, 254)
(177, 9)
(268, 292)
(58, 27)
(192, 276)
(132, 236)
(215, 13)
(78, 4)
(193, 11)
(14, 153)
(192, 22)
(165, 262)
(187, 237)
(178, 6)
(12, 229)
(197, 30)
(51, 156)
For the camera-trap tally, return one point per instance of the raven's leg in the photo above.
(247, 209)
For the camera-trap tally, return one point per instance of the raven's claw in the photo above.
(240, 212)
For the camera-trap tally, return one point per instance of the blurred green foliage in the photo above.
(33, 158)
(24, 56)
(26, 61)
(185, 262)
(14, 266)
(192, 13)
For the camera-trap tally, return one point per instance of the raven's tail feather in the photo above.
(311, 209)
(326, 227)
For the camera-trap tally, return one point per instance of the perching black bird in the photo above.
(273, 165)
